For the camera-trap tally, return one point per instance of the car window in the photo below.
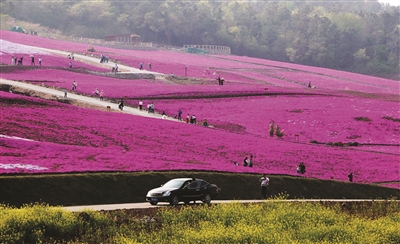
(203, 184)
(194, 185)
(174, 183)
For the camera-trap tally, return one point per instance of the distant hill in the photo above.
(356, 36)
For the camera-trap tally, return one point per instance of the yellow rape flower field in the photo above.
(268, 222)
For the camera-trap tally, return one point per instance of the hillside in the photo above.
(45, 137)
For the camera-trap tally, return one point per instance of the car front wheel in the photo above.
(207, 198)
(174, 200)
(153, 203)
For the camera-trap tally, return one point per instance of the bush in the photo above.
(91, 48)
(363, 119)
(352, 144)
(279, 132)
(390, 118)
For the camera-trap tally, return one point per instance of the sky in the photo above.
(391, 2)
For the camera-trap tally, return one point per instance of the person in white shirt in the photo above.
(140, 105)
(264, 185)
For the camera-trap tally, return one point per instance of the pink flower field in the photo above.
(40, 136)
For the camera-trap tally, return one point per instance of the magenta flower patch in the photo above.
(346, 123)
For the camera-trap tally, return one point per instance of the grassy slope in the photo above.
(108, 188)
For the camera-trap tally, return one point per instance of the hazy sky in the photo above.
(391, 2)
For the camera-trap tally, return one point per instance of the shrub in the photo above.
(352, 144)
(279, 132)
(390, 118)
(363, 119)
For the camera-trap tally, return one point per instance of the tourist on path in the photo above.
(264, 185)
(140, 105)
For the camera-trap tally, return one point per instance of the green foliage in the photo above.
(195, 50)
(390, 118)
(18, 29)
(363, 119)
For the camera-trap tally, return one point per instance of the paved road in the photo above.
(140, 205)
(148, 205)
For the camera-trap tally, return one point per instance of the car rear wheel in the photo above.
(207, 198)
(174, 200)
(153, 203)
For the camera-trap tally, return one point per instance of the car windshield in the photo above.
(177, 183)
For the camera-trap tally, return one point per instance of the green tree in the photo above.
(275, 23)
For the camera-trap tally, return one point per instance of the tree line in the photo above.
(356, 36)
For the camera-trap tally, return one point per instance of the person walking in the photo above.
(193, 119)
(264, 180)
(101, 95)
(219, 80)
(163, 115)
(350, 176)
(271, 129)
(140, 105)
(74, 85)
(246, 161)
(121, 104)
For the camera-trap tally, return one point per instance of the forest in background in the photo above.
(355, 36)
